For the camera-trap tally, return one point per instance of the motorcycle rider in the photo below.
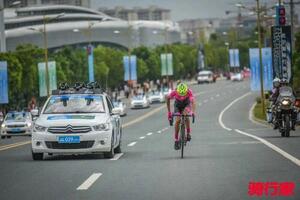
(277, 84)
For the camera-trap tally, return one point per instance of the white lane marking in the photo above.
(143, 137)
(149, 133)
(131, 144)
(217, 95)
(273, 147)
(212, 98)
(88, 182)
(226, 108)
(251, 117)
(117, 156)
(159, 131)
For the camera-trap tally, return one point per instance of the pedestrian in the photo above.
(126, 90)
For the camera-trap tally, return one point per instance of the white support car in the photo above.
(140, 101)
(237, 77)
(16, 124)
(120, 107)
(77, 122)
(156, 97)
(205, 77)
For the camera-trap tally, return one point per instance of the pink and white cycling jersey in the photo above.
(175, 95)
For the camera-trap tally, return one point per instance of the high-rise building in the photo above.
(25, 3)
(152, 13)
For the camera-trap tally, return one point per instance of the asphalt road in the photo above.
(220, 161)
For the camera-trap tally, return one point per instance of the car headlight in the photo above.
(101, 127)
(3, 125)
(38, 128)
(28, 124)
(285, 102)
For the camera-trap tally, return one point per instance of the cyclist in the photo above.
(184, 103)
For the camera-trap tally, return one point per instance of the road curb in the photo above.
(255, 119)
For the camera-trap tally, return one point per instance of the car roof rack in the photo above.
(78, 88)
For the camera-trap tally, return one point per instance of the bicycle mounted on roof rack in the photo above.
(78, 88)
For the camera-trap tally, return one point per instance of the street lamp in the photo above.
(258, 11)
(2, 25)
(43, 31)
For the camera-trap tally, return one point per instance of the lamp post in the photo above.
(260, 57)
(88, 33)
(43, 31)
(2, 24)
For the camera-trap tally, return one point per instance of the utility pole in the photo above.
(260, 57)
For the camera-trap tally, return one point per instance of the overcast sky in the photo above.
(180, 9)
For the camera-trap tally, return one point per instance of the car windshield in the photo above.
(286, 91)
(75, 104)
(203, 75)
(17, 116)
(116, 103)
(140, 97)
(155, 93)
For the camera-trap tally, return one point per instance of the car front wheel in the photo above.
(118, 149)
(37, 156)
(111, 153)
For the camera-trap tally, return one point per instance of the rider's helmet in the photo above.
(276, 82)
(182, 89)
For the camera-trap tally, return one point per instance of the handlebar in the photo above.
(179, 115)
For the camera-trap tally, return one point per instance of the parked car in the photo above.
(120, 107)
(77, 121)
(16, 124)
(140, 101)
(237, 77)
(156, 97)
(205, 77)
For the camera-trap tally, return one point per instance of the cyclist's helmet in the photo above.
(276, 82)
(182, 89)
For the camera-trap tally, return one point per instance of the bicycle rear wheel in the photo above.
(182, 139)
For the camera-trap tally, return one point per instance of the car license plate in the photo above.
(15, 130)
(68, 139)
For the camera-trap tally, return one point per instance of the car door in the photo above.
(115, 119)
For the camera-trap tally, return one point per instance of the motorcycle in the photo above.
(285, 111)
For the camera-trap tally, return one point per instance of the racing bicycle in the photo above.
(183, 137)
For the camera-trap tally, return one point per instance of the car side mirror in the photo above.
(34, 112)
(116, 111)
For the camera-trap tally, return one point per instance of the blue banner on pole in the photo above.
(255, 68)
(126, 68)
(133, 67)
(90, 51)
(130, 66)
(234, 56)
(268, 68)
(255, 71)
(3, 83)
